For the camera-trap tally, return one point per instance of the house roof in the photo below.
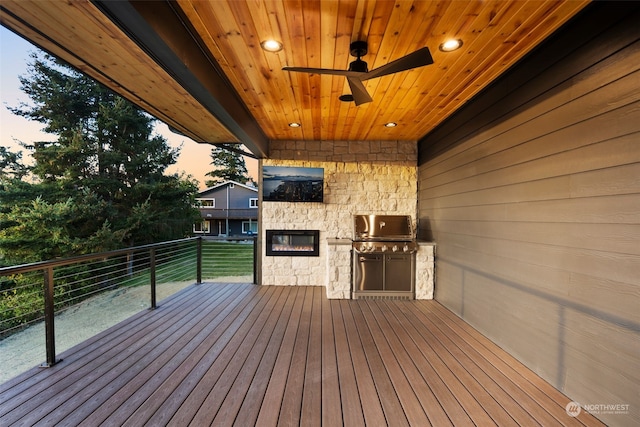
(248, 187)
(198, 65)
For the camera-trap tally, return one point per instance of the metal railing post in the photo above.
(152, 274)
(50, 341)
(199, 261)
(129, 264)
(255, 260)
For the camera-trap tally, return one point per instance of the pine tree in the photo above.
(229, 166)
(102, 180)
(11, 166)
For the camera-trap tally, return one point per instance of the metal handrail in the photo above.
(47, 268)
(41, 265)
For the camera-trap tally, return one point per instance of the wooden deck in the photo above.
(247, 355)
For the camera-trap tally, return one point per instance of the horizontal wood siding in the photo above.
(532, 194)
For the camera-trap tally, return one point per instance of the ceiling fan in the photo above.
(359, 72)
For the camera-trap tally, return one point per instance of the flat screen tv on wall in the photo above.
(292, 184)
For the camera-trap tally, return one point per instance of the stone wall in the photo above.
(378, 177)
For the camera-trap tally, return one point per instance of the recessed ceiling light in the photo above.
(451, 45)
(294, 125)
(390, 125)
(346, 97)
(271, 45)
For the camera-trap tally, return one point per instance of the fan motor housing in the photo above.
(358, 49)
(358, 65)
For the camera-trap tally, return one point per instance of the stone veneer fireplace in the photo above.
(377, 177)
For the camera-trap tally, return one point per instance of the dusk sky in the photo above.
(194, 159)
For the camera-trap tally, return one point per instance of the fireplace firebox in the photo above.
(293, 242)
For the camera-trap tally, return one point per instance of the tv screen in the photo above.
(292, 184)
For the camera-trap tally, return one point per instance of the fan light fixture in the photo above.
(271, 45)
(450, 45)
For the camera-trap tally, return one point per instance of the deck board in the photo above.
(248, 411)
(369, 398)
(242, 355)
(158, 378)
(486, 392)
(388, 396)
(330, 386)
(521, 407)
(292, 394)
(548, 397)
(351, 403)
(405, 365)
(408, 402)
(311, 410)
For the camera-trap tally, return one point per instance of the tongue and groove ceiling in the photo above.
(198, 65)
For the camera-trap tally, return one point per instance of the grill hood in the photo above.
(382, 227)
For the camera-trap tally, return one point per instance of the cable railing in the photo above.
(228, 258)
(36, 293)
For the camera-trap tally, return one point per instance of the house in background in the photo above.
(228, 209)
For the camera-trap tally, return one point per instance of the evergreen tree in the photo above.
(229, 166)
(11, 166)
(100, 185)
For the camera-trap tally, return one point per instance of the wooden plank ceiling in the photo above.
(198, 65)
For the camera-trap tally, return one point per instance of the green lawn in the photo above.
(222, 259)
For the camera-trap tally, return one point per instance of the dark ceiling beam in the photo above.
(157, 27)
(231, 147)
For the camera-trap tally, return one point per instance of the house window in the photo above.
(253, 202)
(207, 203)
(249, 227)
(201, 227)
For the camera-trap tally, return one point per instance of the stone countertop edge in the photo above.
(338, 241)
(345, 241)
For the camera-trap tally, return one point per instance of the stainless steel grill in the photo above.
(382, 228)
(384, 249)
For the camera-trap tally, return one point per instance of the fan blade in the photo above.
(324, 71)
(359, 92)
(419, 58)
